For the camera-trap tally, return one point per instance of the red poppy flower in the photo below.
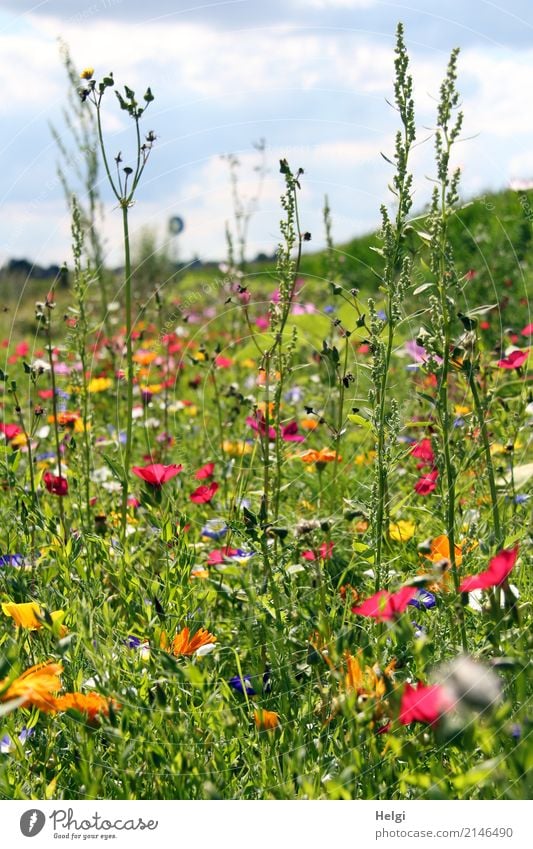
(427, 483)
(500, 567)
(289, 433)
(205, 472)
(156, 474)
(385, 605)
(56, 484)
(514, 360)
(423, 704)
(423, 451)
(204, 494)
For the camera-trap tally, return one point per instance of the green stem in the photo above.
(488, 457)
(129, 369)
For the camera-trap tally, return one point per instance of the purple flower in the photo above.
(423, 599)
(242, 684)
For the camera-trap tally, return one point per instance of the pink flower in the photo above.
(385, 605)
(325, 552)
(514, 360)
(156, 474)
(289, 433)
(205, 472)
(427, 483)
(10, 430)
(218, 554)
(500, 567)
(423, 704)
(204, 494)
(528, 330)
(223, 362)
(56, 484)
(258, 423)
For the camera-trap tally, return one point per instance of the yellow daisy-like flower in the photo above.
(99, 384)
(30, 615)
(402, 530)
(87, 74)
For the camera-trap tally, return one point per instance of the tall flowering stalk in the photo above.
(124, 186)
(394, 282)
(443, 303)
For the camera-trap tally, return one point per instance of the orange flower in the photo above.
(309, 424)
(325, 455)
(183, 644)
(266, 720)
(144, 358)
(89, 703)
(36, 686)
(440, 550)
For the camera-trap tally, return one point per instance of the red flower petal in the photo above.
(500, 567)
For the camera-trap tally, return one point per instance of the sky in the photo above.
(311, 77)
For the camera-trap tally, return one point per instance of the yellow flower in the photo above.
(461, 410)
(191, 411)
(236, 449)
(363, 459)
(99, 384)
(402, 530)
(19, 440)
(153, 388)
(248, 363)
(35, 686)
(30, 615)
(87, 74)
(266, 720)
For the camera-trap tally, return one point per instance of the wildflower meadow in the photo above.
(266, 525)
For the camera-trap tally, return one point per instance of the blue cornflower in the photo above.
(214, 529)
(11, 560)
(242, 684)
(423, 599)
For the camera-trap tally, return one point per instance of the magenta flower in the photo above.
(384, 605)
(423, 704)
(500, 567)
(514, 360)
(289, 433)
